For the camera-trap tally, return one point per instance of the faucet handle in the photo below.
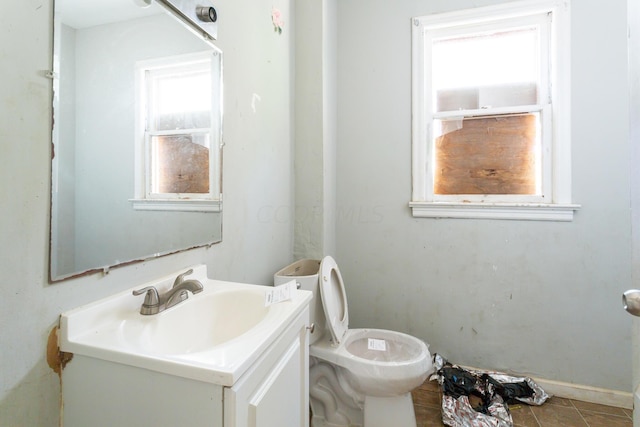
(151, 298)
(181, 277)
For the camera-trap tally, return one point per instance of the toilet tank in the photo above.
(305, 272)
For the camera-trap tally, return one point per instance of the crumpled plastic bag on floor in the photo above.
(473, 398)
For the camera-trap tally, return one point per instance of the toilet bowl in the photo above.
(401, 367)
(359, 377)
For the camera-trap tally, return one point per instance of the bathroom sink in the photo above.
(201, 323)
(212, 336)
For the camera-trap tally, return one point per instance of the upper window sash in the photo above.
(540, 22)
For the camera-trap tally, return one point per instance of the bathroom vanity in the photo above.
(220, 358)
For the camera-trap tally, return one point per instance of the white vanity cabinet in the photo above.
(273, 392)
(228, 356)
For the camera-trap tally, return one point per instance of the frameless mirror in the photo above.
(137, 135)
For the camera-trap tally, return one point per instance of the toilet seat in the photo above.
(334, 299)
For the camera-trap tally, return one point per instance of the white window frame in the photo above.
(554, 203)
(144, 198)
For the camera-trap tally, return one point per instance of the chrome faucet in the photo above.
(154, 303)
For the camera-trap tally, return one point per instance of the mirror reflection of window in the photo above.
(177, 105)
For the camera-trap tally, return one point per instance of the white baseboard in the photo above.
(620, 399)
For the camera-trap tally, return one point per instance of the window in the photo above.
(491, 130)
(178, 135)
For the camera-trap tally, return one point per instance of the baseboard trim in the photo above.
(619, 399)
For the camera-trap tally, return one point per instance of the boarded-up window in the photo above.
(491, 122)
(487, 155)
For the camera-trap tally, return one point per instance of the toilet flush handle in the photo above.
(311, 327)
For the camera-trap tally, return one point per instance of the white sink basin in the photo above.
(199, 323)
(213, 336)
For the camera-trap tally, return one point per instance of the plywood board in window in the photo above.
(492, 155)
(183, 167)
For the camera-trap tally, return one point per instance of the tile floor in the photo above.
(555, 412)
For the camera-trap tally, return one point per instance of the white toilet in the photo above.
(357, 377)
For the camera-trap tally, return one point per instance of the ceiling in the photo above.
(88, 13)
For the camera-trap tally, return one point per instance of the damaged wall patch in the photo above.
(56, 359)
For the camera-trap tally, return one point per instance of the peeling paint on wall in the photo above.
(56, 359)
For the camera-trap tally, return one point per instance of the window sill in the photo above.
(182, 205)
(511, 211)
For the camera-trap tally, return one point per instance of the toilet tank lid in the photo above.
(301, 268)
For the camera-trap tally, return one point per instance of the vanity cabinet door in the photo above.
(99, 393)
(275, 392)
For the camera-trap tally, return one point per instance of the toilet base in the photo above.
(394, 411)
(334, 404)
(378, 412)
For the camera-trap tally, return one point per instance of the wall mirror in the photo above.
(137, 135)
